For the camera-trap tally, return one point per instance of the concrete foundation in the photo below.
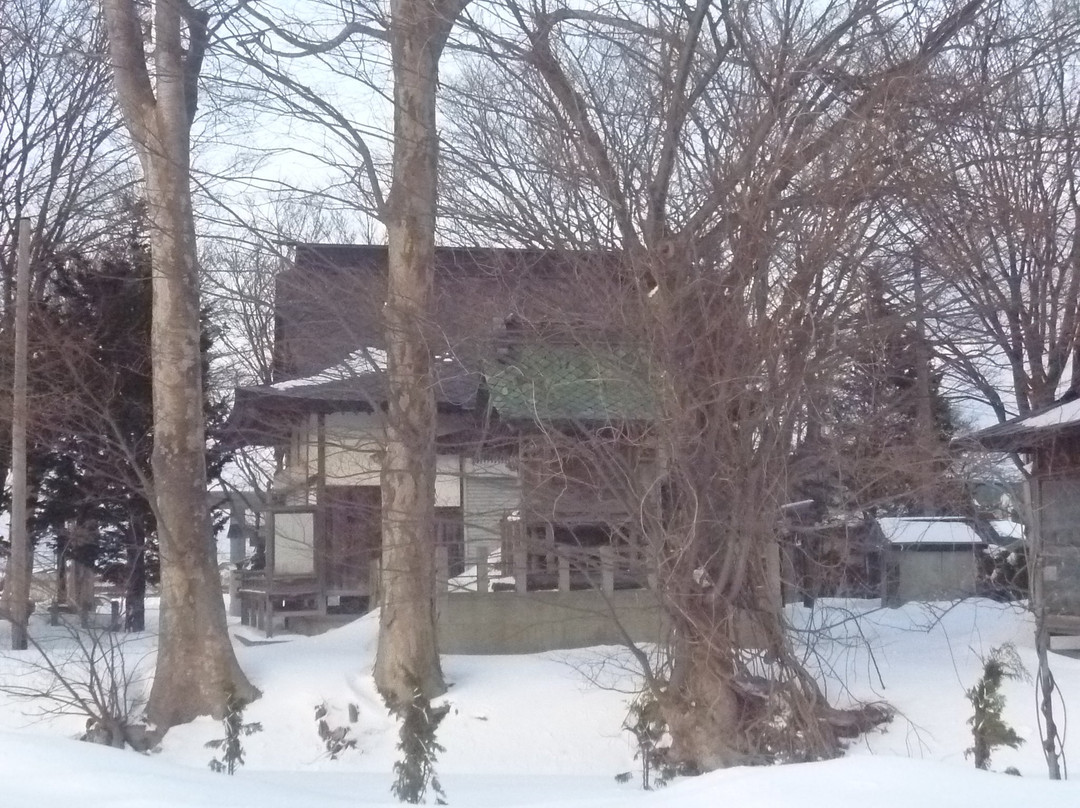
(525, 623)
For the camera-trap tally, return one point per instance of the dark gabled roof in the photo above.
(329, 298)
(261, 413)
(329, 309)
(1035, 430)
(524, 382)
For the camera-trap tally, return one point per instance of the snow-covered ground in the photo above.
(546, 729)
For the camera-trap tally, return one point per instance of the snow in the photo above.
(906, 530)
(1010, 532)
(358, 363)
(355, 364)
(1067, 413)
(545, 729)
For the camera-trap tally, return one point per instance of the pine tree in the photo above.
(92, 457)
(876, 452)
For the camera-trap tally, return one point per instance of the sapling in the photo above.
(988, 727)
(415, 772)
(645, 721)
(337, 739)
(232, 755)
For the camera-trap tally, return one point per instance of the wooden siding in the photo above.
(1059, 544)
(491, 492)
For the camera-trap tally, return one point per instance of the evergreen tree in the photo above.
(868, 445)
(988, 728)
(92, 458)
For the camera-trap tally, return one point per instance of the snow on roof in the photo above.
(1060, 415)
(1008, 529)
(929, 530)
(1029, 432)
(355, 364)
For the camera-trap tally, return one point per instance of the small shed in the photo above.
(929, 558)
(1049, 439)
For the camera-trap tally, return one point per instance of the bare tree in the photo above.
(416, 33)
(407, 661)
(62, 162)
(738, 158)
(998, 224)
(196, 669)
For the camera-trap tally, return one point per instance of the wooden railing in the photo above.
(554, 568)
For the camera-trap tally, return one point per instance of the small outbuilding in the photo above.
(1049, 440)
(929, 558)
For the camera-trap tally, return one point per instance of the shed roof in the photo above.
(1009, 533)
(929, 531)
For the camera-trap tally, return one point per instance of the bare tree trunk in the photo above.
(408, 650)
(196, 668)
(135, 578)
(20, 563)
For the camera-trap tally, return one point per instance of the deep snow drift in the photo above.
(546, 729)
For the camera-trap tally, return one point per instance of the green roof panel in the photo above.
(545, 382)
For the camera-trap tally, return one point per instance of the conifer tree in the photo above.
(92, 457)
(988, 727)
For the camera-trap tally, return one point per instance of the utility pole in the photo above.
(927, 439)
(17, 588)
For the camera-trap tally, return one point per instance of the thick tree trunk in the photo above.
(701, 705)
(196, 668)
(408, 650)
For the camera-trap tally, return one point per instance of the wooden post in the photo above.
(564, 572)
(521, 568)
(271, 561)
(237, 538)
(482, 583)
(17, 588)
(320, 541)
(607, 569)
